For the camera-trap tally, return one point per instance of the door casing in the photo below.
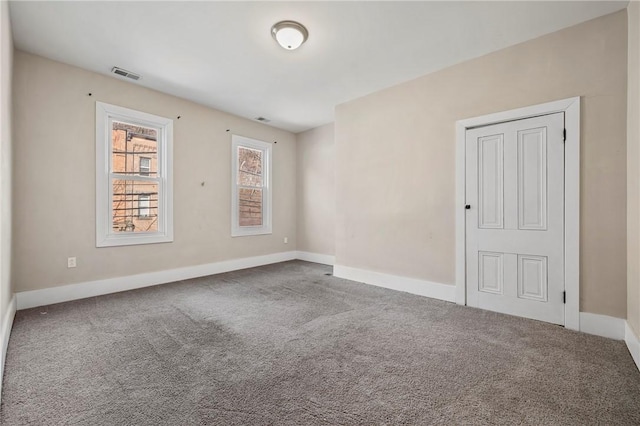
(571, 109)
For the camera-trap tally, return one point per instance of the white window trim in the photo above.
(105, 237)
(266, 227)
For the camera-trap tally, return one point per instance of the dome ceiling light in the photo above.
(289, 34)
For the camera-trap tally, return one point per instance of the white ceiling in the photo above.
(221, 54)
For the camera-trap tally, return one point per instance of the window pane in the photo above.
(144, 166)
(143, 205)
(249, 167)
(250, 206)
(134, 149)
(135, 206)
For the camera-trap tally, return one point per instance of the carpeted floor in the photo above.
(286, 344)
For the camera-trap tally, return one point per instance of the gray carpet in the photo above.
(286, 344)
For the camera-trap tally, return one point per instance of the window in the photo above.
(251, 187)
(133, 177)
(143, 206)
(145, 166)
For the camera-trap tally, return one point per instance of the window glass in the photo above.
(134, 204)
(134, 149)
(143, 206)
(250, 167)
(250, 206)
(145, 166)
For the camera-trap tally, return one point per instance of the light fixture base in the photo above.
(289, 34)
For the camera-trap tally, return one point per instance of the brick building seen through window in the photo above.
(250, 182)
(135, 201)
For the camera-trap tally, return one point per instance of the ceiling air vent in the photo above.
(263, 119)
(125, 73)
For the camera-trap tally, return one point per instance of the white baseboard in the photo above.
(394, 282)
(5, 333)
(633, 343)
(325, 259)
(49, 296)
(602, 325)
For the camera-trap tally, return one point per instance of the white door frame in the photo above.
(571, 109)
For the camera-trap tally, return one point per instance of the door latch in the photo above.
(468, 207)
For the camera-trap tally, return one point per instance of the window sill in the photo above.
(250, 231)
(131, 240)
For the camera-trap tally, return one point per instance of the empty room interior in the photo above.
(318, 213)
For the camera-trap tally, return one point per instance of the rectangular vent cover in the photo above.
(125, 73)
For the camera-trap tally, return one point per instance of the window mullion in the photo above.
(249, 187)
(121, 176)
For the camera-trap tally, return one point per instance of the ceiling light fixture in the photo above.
(289, 34)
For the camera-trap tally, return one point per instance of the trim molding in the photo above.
(395, 282)
(599, 325)
(5, 331)
(633, 343)
(65, 293)
(325, 259)
(602, 325)
(49, 296)
(105, 237)
(571, 109)
(238, 141)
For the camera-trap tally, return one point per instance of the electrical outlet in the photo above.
(286, 240)
(71, 262)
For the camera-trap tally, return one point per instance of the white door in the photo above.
(515, 217)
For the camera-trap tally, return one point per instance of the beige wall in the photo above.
(316, 190)
(395, 156)
(6, 68)
(54, 179)
(633, 169)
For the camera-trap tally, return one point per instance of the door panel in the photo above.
(532, 277)
(515, 226)
(532, 179)
(491, 270)
(490, 174)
